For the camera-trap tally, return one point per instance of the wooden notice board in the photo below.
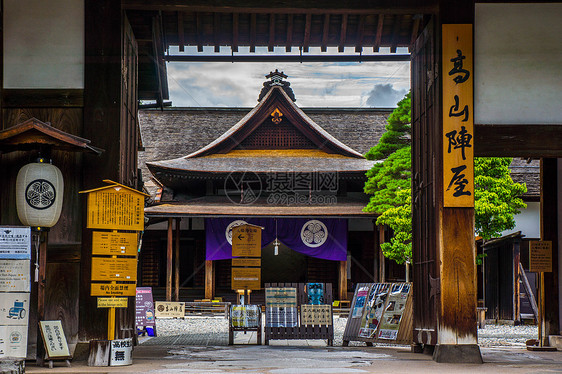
(246, 241)
(54, 340)
(114, 269)
(115, 207)
(540, 256)
(246, 278)
(106, 289)
(114, 243)
(112, 302)
(458, 116)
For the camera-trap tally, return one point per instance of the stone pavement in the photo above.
(304, 359)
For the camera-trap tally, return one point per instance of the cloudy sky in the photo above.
(367, 84)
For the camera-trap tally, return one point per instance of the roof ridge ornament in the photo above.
(276, 79)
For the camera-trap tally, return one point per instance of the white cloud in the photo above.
(314, 84)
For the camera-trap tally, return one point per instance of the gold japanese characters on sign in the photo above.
(316, 315)
(104, 289)
(458, 121)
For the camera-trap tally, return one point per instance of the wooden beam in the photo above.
(343, 280)
(169, 247)
(550, 216)
(415, 30)
(289, 58)
(181, 39)
(177, 261)
(199, 32)
(325, 33)
(209, 280)
(378, 37)
(518, 140)
(306, 38)
(253, 21)
(360, 33)
(395, 36)
(289, 42)
(271, 43)
(235, 28)
(43, 98)
(216, 31)
(282, 7)
(343, 33)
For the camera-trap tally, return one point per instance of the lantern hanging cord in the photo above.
(37, 243)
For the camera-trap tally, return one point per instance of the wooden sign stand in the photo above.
(49, 356)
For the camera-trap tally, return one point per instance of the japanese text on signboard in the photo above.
(458, 122)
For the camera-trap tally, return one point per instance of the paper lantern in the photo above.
(39, 192)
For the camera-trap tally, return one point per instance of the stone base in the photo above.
(457, 354)
(555, 341)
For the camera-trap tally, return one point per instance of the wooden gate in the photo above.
(426, 201)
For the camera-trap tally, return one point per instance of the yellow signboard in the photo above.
(112, 302)
(114, 243)
(241, 262)
(105, 289)
(458, 116)
(540, 256)
(114, 269)
(246, 278)
(115, 207)
(246, 241)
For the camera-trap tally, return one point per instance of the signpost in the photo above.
(246, 271)
(540, 261)
(55, 341)
(114, 254)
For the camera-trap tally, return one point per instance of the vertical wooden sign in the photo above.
(458, 116)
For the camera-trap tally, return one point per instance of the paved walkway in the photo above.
(312, 360)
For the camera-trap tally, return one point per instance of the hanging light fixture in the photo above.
(39, 194)
(276, 242)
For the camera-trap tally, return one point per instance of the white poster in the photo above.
(15, 243)
(14, 309)
(15, 276)
(54, 339)
(121, 352)
(13, 341)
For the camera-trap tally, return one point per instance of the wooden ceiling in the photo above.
(361, 25)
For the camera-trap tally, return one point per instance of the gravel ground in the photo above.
(207, 331)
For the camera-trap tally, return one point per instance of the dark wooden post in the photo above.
(382, 262)
(177, 261)
(376, 250)
(550, 215)
(209, 280)
(169, 245)
(343, 280)
(41, 294)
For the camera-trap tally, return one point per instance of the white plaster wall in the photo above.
(43, 43)
(518, 63)
(528, 222)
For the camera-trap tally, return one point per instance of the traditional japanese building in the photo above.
(279, 169)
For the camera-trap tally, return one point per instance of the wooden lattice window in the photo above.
(276, 136)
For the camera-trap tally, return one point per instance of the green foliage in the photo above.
(399, 219)
(386, 179)
(496, 198)
(398, 131)
(389, 184)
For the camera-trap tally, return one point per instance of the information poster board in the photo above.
(360, 302)
(121, 352)
(54, 339)
(246, 278)
(281, 297)
(15, 276)
(14, 309)
(394, 311)
(246, 241)
(244, 316)
(112, 302)
(116, 208)
(106, 289)
(13, 342)
(15, 243)
(169, 309)
(540, 256)
(114, 243)
(144, 313)
(114, 269)
(281, 317)
(316, 315)
(374, 309)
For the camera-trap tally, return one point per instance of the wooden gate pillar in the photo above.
(209, 280)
